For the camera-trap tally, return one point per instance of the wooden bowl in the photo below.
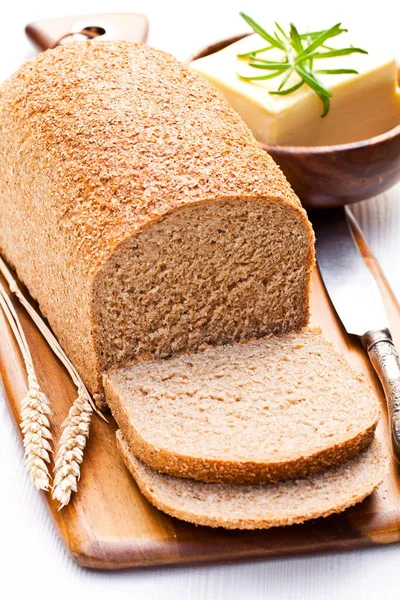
(326, 176)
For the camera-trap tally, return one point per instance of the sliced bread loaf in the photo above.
(265, 410)
(260, 506)
(140, 211)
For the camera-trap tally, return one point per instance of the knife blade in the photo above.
(358, 303)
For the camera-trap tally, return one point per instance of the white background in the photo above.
(33, 562)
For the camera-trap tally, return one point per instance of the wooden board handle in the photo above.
(50, 33)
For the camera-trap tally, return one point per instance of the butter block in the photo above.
(362, 105)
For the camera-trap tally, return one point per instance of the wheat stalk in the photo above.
(75, 430)
(34, 408)
(47, 333)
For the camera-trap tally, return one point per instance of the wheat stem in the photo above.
(47, 334)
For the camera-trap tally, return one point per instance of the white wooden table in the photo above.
(33, 562)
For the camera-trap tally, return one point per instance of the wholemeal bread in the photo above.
(142, 215)
(260, 506)
(139, 210)
(267, 410)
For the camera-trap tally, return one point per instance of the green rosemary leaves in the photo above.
(301, 52)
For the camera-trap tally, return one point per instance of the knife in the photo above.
(358, 303)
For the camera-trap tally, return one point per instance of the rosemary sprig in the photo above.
(300, 51)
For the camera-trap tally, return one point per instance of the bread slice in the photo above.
(260, 506)
(260, 411)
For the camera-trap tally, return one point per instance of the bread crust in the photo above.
(97, 142)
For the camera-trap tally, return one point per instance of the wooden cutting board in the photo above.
(110, 525)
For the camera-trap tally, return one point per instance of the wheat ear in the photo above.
(70, 450)
(34, 408)
(75, 432)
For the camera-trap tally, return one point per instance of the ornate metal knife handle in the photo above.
(385, 360)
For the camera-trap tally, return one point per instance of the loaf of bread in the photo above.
(139, 210)
(260, 506)
(260, 411)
